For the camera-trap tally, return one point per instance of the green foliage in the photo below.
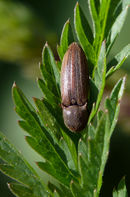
(18, 168)
(121, 190)
(75, 161)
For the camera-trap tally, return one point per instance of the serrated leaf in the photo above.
(53, 100)
(71, 149)
(65, 40)
(76, 190)
(42, 142)
(121, 190)
(51, 67)
(27, 113)
(61, 190)
(99, 78)
(20, 190)
(82, 29)
(46, 114)
(51, 155)
(55, 171)
(69, 157)
(48, 80)
(118, 60)
(93, 151)
(18, 168)
(116, 28)
(49, 119)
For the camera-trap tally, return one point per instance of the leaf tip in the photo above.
(55, 191)
(68, 21)
(46, 44)
(89, 138)
(14, 85)
(106, 111)
(80, 154)
(104, 42)
(71, 182)
(77, 4)
(37, 163)
(34, 99)
(80, 140)
(8, 184)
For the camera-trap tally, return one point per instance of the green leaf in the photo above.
(46, 114)
(54, 170)
(50, 122)
(61, 190)
(76, 191)
(18, 168)
(116, 28)
(115, 9)
(51, 66)
(20, 190)
(56, 194)
(118, 60)
(71, 154)
(94, 9)
(66, 39)
(71, 150)
(121, 190)
(48, 80)
(93, 149)
(99, 78)
(41, 141)
(27, 112)
(113, 104)
(53, 100)
(82, 29)
(52, 157)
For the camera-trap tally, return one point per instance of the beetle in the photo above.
(74, 88)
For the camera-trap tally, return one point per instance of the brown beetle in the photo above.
(74, 88)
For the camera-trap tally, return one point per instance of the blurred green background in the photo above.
(25, 26)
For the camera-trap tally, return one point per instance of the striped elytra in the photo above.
(74, 88)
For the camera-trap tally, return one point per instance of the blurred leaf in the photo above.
(76, 191)
(118, 60)
(20, 190)
(121, 190)
(56, 194)
(82, 29)
(66, 39)
(116, 28)
(18, 168)
(61, 190)
(99, 78)
(114, 11)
